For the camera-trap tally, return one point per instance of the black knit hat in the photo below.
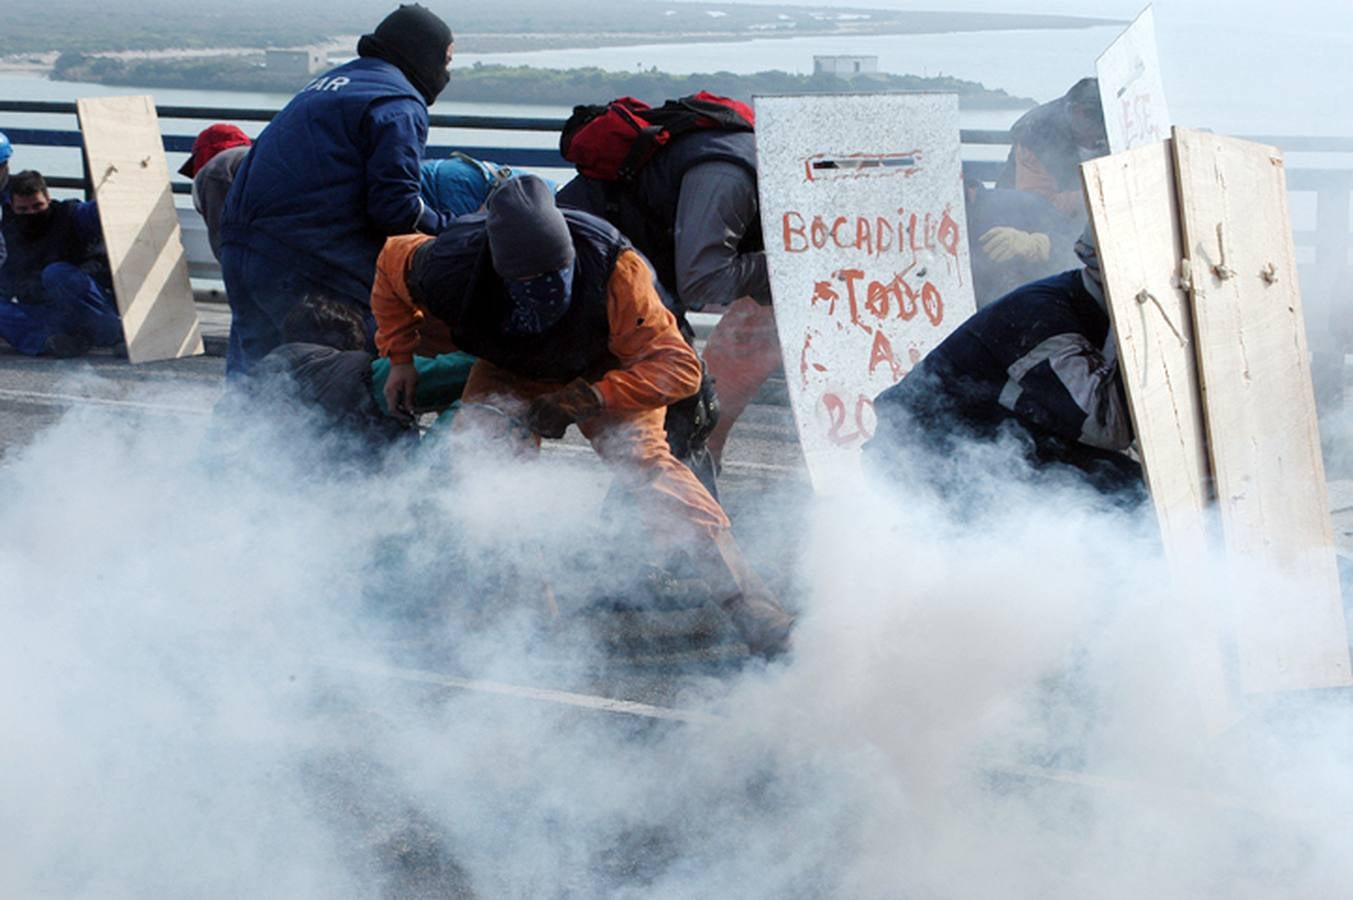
(527, 232)
(414, 39)
(1085, 94)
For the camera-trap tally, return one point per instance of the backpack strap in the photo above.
(645, 143)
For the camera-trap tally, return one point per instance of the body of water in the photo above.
(1287, 75)
(1225, 75)
(1022, 62)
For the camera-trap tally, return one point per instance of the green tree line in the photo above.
(525, 84)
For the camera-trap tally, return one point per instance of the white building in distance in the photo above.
(845, 66)
(299, 63)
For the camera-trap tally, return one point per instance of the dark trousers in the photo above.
(73, 304)
(262, 293)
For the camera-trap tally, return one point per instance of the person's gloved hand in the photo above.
(400, 387)
(1003, 243)
(549, 415)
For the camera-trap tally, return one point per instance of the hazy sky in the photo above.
(1223, 9)
(1252, 67)
(1257, 66)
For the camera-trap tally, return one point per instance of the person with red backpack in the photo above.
(680, 182)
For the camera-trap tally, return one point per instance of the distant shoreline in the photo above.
(481, 83)
(139, 28)
(236, 65)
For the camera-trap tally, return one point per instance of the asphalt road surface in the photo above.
(35, 393)
(763, 483)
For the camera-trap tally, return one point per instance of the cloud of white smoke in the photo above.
(1001, 702)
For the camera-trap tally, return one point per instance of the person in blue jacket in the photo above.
(6, 151)
(333, 175)
(56, 289)
(459, 184)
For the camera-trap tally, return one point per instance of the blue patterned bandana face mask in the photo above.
(539, 302)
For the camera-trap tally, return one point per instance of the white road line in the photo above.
(1101, 783)
(1138, 787)
(778, 468)
(731, 467)
(81, 400)
(53, 399)
(546, 695)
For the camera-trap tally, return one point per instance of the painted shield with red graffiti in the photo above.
(862, 208)
(1131, 89)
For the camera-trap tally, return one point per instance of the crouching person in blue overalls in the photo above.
(56, 295)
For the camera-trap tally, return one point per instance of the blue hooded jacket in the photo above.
(333, 175)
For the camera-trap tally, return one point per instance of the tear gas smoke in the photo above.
(997, 703)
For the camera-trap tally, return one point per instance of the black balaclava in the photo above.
(413, 39)
(34, 226)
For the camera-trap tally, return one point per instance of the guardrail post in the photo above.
(88, 176)
(1322, 306)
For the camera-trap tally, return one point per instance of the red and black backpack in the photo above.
(614, 141)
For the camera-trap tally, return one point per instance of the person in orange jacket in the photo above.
(567, 326)
(1048, 144)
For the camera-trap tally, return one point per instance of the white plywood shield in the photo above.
(1260, 411)
(862, 209)
(140, 227)
(1130, 86)
(1131, 199)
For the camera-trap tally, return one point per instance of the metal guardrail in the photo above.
(1329, 240)
(526, 157)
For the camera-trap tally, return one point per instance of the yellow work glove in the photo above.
(1003, 243)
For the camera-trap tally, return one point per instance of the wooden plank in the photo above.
(140, 227)
(866, 244)
(1131, 199)
(1260, 412)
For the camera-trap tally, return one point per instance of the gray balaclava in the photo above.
(527, 233)
(1091, 275)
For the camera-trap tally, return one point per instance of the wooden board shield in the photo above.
(140, 227)
(1260, 410)
(1131, 198)
(1130, 87)
(866, 240)
(1132, 205)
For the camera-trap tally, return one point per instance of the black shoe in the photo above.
(760, 622)
(65, 346)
